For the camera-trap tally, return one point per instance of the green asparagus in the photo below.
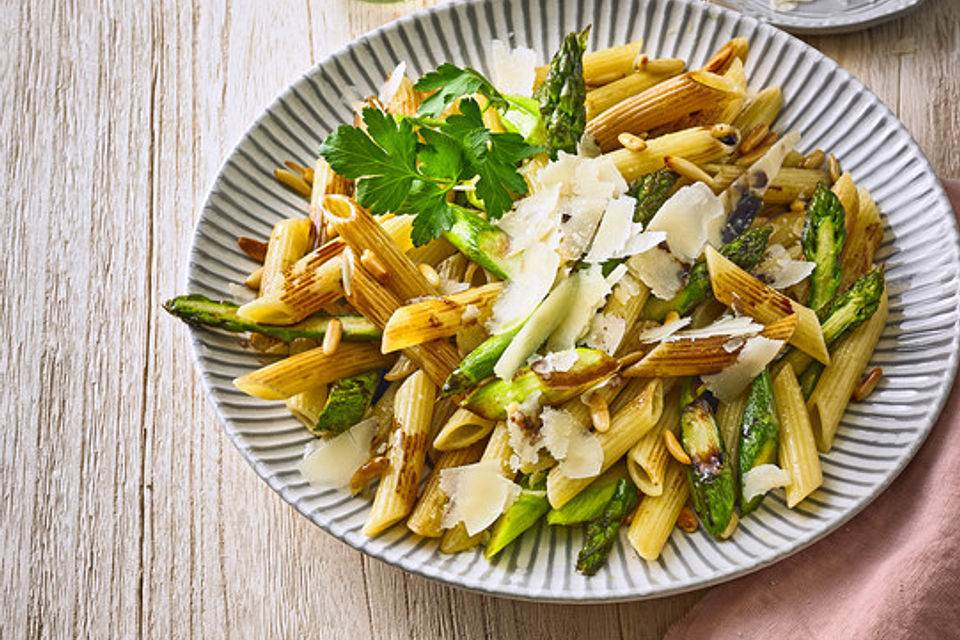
(562, 96)
(492, 399)
(196, 309)
(809, 378)
(712, 484)
(522, 115)
(601, 533)
(746, 252)
(478, 364)
(651, 191)
(347, 401)
(479, 240)
(823, 234)
(531, 504)
(759, 434)
(589, 503)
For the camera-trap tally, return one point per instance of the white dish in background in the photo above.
(833, 111)
(823, 16)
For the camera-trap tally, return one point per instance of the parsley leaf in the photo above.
(451, 82)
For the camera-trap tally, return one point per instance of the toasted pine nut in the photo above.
(752, 139)
(687, 520)
(721, 131)
(599, 412)
(402, 368)
(632, 142)
(798, 206)
(253, 280)
(331, 339)
(641, 61)
(256, 249)
(293, 166)
(753, 156)
(672, 316)
(367, 472)
(430, 274)
(814, 159)
(833, 166)
(372, 263)
(308, 176)
(868, 384)
(793, 160)
(688, 169)
(770, 138)
(293, 181)
(675, 448)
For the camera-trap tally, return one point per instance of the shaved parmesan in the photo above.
(528, 285)
(592, 289)
(658, 334)
(478, 495)
(606, 332)
(390, 87)
(757, 177)
(729, 326)
(598, 178)
(525, 437)
(331, 462)
(534, 220)
(762, 478)
(513, 72)
(584, 457)
(627, 288)
(779, 270)
(660, 271)
(537, 328)
(558, 426)
(618, 235)
(588, 147)
(756, 354)
(557, 361)
(691, 217)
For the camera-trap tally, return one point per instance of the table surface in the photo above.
(125, 509)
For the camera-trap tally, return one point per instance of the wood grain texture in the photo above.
(125, 510)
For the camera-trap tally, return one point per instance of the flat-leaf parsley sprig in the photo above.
(409, 165)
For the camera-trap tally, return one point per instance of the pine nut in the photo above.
(688, 169)
(814, 159)
(675, 448)
(367, 472)
(253, 280)
(687, 520)
(632, 142)
(834, 167)
(331, 339)
(868, 384)
(256, 249)
(431, 275)
(754, 138)
(672, 316)
(293, 181)
(798, 206)
(372, 264)
(599, 412)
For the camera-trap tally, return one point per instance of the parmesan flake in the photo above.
(762, 478)
(478, 495)
(331, 462)
(756, 354)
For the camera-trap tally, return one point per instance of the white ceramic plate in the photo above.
(824, 16)
(831, 109)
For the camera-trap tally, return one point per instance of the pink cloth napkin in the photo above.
(892, 572)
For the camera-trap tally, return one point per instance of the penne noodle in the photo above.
(788, 185)
(314, 280)
(427, 515)
(289, 241)
(671, 101)
(498, 448)
(760, 110)
(407, 450)
(383, 412)
(325, 182)
(406, 100)
(863, 240)
(432, 253)
(846, 192)
(626, 427)
(735, 49)
(254, 279)
(647, 460)
(603, 66)
(734, 286)
(437, 318)
(693, 357)
(461, 430)
(729, 416)
(647, 75)
(797, 449)
(307, 406)
(311, 369)
(832, 394)
(698, 145)
(626, 302)
(656, 517)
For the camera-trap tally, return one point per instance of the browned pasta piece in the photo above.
(697, 144)
(437, 318)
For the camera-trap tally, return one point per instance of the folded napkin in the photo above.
(892, 572)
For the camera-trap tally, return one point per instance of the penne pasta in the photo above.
(674, 100)
(760, 110)
(788, 185)
(729, 416)
(405, 100)
(797, 449)
(461, 430)
(697, 144)
(437, 318)
(427, 515)
(627, 426)
(647, 460)
(626, 302)
(735, 49)
(732, 285)
(406, 452)
(863, 240)
(307, 406)
(603, 66)
(850, 356)
(656, 517)
(325, 182)
(311, 369)
(646, 75)
(846, 192)
(289, 241)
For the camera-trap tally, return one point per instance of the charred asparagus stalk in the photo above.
(712, 485)
(759, 434)
(601, 533)
(651, 191)
(589, 503)
(563, 94)
(196, 309)
(479, 240)
(531, 504)
(823, 235)
(347, 401)
(478, 364)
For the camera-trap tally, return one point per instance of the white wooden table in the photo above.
(125, 510)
